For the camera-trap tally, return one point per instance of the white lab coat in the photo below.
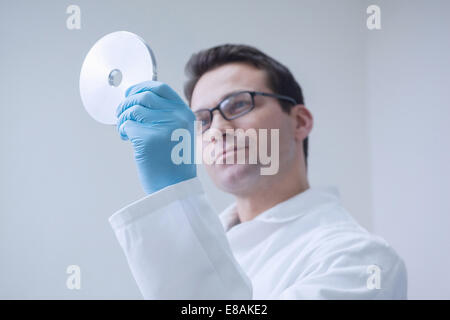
(307, 247)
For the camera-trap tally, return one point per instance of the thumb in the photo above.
(128, 129)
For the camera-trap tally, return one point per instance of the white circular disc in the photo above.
(115, 62)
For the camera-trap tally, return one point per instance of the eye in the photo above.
(239, 105)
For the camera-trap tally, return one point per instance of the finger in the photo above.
(128, 128)
(134, 113)
(160, 88)
(122, 130)
(141, 87)
(146, 99)
(142, 115)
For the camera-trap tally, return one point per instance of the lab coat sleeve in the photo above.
(177, 248)
(351, 266)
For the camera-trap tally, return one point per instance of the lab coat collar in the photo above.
(289, 209)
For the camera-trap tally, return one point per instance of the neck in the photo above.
(274, 192)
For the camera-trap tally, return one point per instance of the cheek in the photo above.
(278, 131)
(264, 118)
(281, 122)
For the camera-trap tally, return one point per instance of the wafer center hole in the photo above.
(115, 78)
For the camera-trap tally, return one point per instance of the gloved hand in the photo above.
(147, 117)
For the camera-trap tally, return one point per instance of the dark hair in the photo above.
(280, 79)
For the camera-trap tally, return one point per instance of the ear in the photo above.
(303, 120)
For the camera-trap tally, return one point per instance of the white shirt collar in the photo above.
(289, 209)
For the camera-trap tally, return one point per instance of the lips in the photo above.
(229, 150)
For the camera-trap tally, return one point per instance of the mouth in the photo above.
(227, 151)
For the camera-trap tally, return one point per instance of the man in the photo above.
(281, 239)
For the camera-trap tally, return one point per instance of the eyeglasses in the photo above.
(234, 106)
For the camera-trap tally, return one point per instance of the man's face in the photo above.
(211, 88)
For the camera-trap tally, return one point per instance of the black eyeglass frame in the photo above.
(252, 94)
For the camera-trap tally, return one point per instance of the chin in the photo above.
(235, 178)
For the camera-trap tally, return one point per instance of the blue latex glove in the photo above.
(147, 117)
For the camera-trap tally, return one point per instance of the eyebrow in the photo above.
(226, 95)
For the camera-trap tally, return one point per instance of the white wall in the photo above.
(63, 174)
(409, 115)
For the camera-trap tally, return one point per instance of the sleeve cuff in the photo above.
(155, 201)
